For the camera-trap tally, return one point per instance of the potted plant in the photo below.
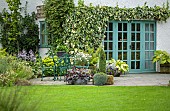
(122, 66)
(116, 68)
(163, 58)
(61, 49)
(111, 67)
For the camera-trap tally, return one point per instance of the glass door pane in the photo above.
(109, 41)
(149, 45)
(135, 46)
(122, 41)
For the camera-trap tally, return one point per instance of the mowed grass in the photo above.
(100, 98)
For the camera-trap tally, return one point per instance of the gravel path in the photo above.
(123, 80)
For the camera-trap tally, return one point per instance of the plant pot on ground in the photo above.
(110, 80)
(61, 50)
(165, 68)
(163, 58)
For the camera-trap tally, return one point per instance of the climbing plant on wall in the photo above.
(56, 12)
(22, 34)
(85, 25)
(29, 38)
(10, 39)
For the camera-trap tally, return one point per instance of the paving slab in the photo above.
(124, 80)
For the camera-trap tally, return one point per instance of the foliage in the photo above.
(114, 67)
(29, 38)
(85, 27)
(62, 48)
(48, 64)
(30, 56)
(94, 56)
(32, 60)
(122, 66)
(81, 59)
(78, 76)
(12, 69)
(12, 23)
(111, 67)
(102, 60)
(161, 56)
(100, 78)
(13, 100)
(56, 13)
(36, 67)
(3, 52)
(18, 32)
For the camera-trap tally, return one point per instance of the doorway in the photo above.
(132, 42)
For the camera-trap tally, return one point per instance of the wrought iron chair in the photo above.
(63, 65)
(44, 68)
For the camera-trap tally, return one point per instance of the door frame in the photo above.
(142, 43)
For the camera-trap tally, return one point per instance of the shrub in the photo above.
(100, 78)
(12, 69)
(102, 61)
(32, 60)
(48, 64)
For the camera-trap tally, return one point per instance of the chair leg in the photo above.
(42, 74)
(42, 77)
(54, 74)
(54, 78)
(59, 74)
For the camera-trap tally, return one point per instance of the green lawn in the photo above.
(102, 98)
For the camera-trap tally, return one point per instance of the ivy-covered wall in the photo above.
(124, 3)
(86, 25)
(162, 27)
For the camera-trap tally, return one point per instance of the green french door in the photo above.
(132, 42)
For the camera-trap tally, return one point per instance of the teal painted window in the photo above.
(133, 42)
(43, 34)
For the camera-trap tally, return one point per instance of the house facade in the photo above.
(131, 41)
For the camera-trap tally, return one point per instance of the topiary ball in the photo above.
(100, 79)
